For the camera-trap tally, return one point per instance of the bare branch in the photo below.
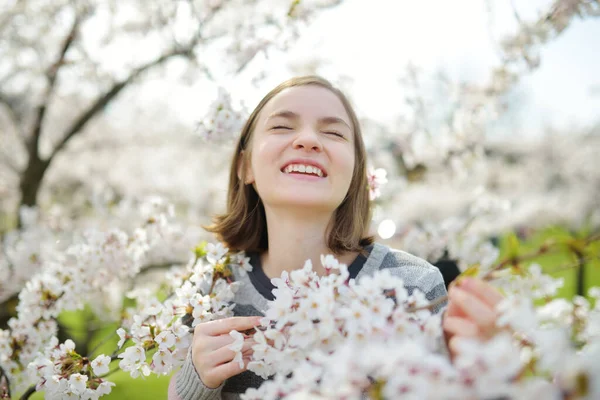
(51, 74)
(107, 97)
(28, 393)
(101, 102)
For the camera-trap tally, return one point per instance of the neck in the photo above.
(295, 238)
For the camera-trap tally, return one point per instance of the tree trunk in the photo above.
(30, 183)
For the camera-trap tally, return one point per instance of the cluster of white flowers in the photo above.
(528, 282)
(313, 316)
(44, 240)
(452, 239)
(85, 273)
(63, 373)
(202, 291)
(400, 368)
(87, 268)
(559, 339)
(222, 121)
(24, 251)
(327, 337)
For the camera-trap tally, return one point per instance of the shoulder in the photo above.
(398, 258)
(406, 265)
(414, 270)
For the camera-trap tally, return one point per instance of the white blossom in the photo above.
(100, 365)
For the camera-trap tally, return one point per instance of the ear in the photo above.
(245, 167)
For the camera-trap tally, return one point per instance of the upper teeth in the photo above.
(307, 169)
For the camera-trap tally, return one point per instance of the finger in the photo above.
(247, 347)
(216, 342)
(224, 326)
(453, 309)
(225, 354)
(474, 308)
(483, 290)
(210, 343)
(460, 327)
(224, 371)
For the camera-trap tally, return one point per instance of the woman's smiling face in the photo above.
(302, 150)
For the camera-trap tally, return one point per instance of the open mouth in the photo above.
(304, 169)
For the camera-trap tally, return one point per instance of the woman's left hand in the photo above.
(471, 311)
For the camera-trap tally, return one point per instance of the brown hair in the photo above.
(244, 226)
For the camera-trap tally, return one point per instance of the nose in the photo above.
(307, 140)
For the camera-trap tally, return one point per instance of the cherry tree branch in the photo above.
(28, 393)
(51, 75)
(545, 249)
(4, 387)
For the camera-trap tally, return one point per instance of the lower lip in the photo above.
(304, 177)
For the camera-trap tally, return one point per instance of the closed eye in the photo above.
(281, 127)
(334, 133)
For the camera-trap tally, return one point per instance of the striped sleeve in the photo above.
(187, 385)
(416, 274)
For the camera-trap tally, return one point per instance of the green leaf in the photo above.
(200, 250)
(513, 245)
(472, 271)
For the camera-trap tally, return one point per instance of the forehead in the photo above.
(308, 101)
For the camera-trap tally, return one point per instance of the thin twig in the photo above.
(6, 388)
(549, 248)
(573, 265)
(428, 306)
(31, 390)
(489, 276)
(102, 342)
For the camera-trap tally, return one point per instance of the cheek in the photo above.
(346, 162)
(263, 159)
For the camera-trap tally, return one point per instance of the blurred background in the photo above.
(484, 114)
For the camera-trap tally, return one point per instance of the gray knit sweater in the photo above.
(416, 273)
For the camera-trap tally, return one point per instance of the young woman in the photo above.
(298, 189)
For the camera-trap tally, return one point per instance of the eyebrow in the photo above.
(292, 115)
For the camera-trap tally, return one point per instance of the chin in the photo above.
(305, 201)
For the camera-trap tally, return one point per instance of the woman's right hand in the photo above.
(211, 355)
